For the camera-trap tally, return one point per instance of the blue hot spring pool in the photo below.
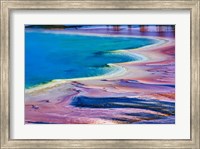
(50, 55)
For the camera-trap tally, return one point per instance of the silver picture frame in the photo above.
(192, 5)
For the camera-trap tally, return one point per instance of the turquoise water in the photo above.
(50, 56)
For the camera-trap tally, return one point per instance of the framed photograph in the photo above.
(100, 74)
